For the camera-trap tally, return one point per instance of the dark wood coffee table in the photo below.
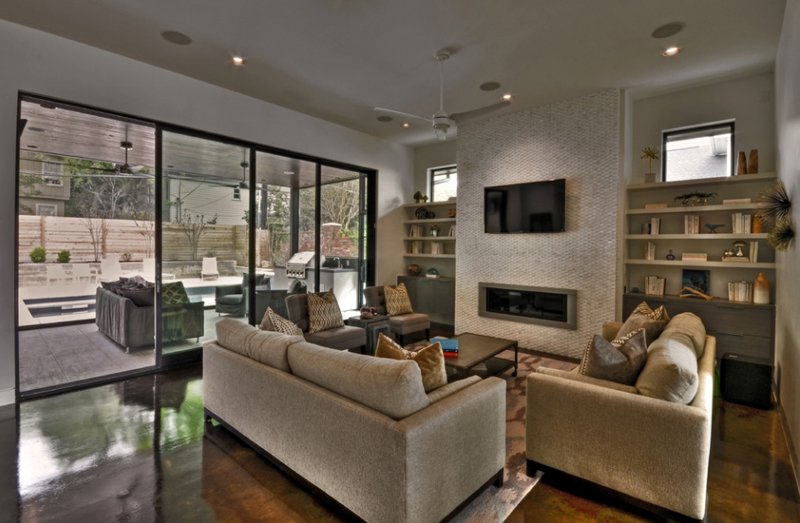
(474, 349)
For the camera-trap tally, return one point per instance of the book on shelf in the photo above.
(694, 256)
(436, 248)
(415, 247)
(656, 205)
(415, 231)
(655, 225)
(754, 251)
(735, 201)
(740, 291)
(741, 223)
(650, 251)
(691, 224)
(654, 285)
(736, 259)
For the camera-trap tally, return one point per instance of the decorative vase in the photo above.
(649, 177)
(757, 224)
(670, 255)
(761, 289)
(741, 164)
(752, 164)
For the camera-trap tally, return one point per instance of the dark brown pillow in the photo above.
(619, 360)
(643, 317)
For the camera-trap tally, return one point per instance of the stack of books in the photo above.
(449, 346)
(741, 223)
(650, 251)
(691, 224)
(740, 291)
(694, 256)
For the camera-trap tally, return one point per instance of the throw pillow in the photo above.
(280, 324)
(671, 371)
(323, 312)
(397, 300)
(173, 293)
(619, 360)
(430, 360)
(643, 317)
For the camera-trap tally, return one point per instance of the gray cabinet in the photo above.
(435, 297)
(741, 328)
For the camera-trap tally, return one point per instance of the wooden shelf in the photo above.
(428, 204)
(703, 236)
(672, 298)
(431, 220)
(760, 177)
(431, 238)
(441, 256)
(715, 264)
(699, 208)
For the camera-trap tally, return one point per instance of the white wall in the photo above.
(748, 99)
(787, 119)
(41, 63)
(579, 140)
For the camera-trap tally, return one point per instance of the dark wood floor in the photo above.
(138, 451)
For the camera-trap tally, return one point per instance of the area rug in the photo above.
(496, 504)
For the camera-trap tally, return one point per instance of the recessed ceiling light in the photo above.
(667, 30)
(671, 51)
(489, 86)
(176, 37)
(507, 96)
(237, 60)
(385, 118)
(406, 124)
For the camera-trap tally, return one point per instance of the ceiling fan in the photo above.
(442, 121)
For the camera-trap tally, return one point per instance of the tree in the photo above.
(339, 204)
(193, 227)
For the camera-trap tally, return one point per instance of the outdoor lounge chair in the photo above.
(110, 269)
(209, 269)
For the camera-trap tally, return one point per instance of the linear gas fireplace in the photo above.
(542, 305)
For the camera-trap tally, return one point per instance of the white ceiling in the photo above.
(337, 59)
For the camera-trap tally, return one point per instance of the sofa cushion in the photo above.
(619, 360)
(429, 358)
(397, 300)
(577, 376)
(670, 372)
(391, 387)
(342, 338)
(233, 334)
(270, 348)
(173, 293)
(451, 388)
(323, 312)
(690, 326)
(273, 321)
(643, 317)
(408, 323)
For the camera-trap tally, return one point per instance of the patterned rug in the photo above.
(496, 504)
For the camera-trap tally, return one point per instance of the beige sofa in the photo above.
(360, 429)
(650, 449)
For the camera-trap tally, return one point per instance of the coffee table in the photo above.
(474, 349)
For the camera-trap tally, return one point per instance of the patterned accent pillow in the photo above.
(643, 309)
(643, 317)
(323, 312)
(281, 324)
(173, 293)
(397, 300)
(620, 360)
(430, 360)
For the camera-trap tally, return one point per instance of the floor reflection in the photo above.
(139, 450)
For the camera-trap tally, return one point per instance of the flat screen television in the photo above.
(525, 207)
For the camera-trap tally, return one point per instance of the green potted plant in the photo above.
(38, 255)
(63, 256)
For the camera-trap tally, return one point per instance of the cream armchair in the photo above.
(651, 449)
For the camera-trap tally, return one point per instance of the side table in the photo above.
(373, 326)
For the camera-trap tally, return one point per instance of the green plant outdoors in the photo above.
(38, 255)
(64, 256)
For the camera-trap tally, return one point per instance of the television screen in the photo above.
(525, 207)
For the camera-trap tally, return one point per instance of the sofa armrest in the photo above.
(650, 449)
(454, 446)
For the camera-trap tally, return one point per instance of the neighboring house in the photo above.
(44, 190)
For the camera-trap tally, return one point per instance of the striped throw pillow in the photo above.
(323, 312)
(397, 300)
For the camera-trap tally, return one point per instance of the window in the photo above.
(46, 209)
(51, 174)
(701, 151)
(237, 194)
(443, 182)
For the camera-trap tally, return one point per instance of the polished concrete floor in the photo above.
(138, 450)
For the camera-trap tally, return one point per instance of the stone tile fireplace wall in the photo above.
(579, 140)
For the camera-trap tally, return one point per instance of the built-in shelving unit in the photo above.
(734, 323)
(425, 244)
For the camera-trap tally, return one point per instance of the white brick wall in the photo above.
(579, 140)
